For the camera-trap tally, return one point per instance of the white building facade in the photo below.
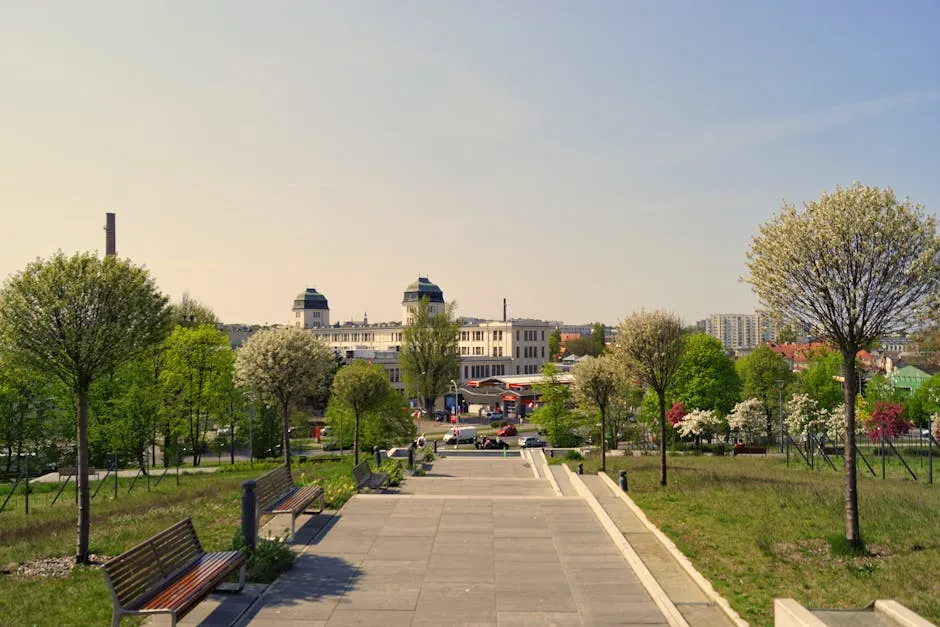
(742, 331)
(490, 348)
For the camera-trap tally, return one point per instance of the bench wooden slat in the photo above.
(276, 494)
(168, 572)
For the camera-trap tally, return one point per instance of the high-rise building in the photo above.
(742, 331)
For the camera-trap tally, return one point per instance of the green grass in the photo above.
(212, 500)
(759, 530)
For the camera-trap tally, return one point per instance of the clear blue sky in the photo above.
(582, 159)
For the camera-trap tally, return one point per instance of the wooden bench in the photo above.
(72, 471)
(276, 494)
(749, 450)
(168, 574)
(365, 478)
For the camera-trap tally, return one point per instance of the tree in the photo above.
(429, 358)
(599, 338)
(786, 334)
(360, 387)
(554, 343)
(199, 363)
(78, 318)
(554, 415)
(595, 386)
(765, 375)
(747, 418)
(818, 378)
(284, 365)
(706, 378)
(190, 313)
(700, 423)
(855, 265)
(649, 348)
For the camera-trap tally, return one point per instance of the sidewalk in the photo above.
(483, 541)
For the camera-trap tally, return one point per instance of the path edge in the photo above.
(660, 598)
(676, 554)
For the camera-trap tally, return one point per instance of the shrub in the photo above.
(429, 455)
(269, 559)
(260, 466)
(395, 471)
(574, 455)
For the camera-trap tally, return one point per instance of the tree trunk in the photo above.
(81, 471)
(285, 427)
(603, 442)
(662, 436)
(852, 535)
(356, 440)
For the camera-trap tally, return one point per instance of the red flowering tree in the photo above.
(886, 420)
(676, 413)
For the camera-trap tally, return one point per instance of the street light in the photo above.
(780, 403)
(454, 383)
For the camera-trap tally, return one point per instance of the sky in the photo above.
(582, 159)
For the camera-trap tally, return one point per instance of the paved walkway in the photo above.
(478, 541)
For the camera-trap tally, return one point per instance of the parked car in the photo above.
(530, 441)
(494, 415)
(507, 431)
(441, 415)
(330, 445)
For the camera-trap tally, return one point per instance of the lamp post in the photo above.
(454, 383)
(780, 404)
(251, 435)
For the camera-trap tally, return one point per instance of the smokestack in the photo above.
(504, 310)
(110, 246)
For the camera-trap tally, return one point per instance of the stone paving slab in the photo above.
(445, 563)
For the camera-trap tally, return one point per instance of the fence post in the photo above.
(378, 457)
(411, 458)
(882, 451)
(623, 480)
(27, 482)
(249, 514)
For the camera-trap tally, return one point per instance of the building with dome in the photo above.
(488, 348)
(311, 310)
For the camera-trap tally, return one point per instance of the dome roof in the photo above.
(310, 299)
(423, 288)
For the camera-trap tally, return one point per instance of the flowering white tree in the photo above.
(748, 417)
(804, 415)
(701, 423)
(835, 424)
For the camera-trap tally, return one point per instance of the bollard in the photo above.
(249, 514)
(623, 480)
(551, 452)
(580, 469)
(435, 447)
(378, 457)
(411, 458)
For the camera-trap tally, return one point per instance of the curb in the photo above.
(676, 554)
(656, 592)
(543, 461)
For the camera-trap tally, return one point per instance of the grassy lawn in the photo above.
(759, 530)
(212, 500)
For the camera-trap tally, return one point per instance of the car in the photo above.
(494, 415)
(441, 415)
(460, 435)
(330, 445)
(530, 441)
(491, 443)
(507, 431)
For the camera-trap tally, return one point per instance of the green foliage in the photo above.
(596, 383)
(395, 470)
(760, 372)
(817, 379)
(196, 379)
(428, 357)
(706, 377)
(574, 455)
(366, 408)
(554, 416)
(554, 343)
(267, 561)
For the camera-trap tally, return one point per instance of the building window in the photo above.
(543, 352)
(517, 354)
(543, 336)
(517, 339)
(466, 372)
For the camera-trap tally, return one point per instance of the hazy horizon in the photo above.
(582, 160)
